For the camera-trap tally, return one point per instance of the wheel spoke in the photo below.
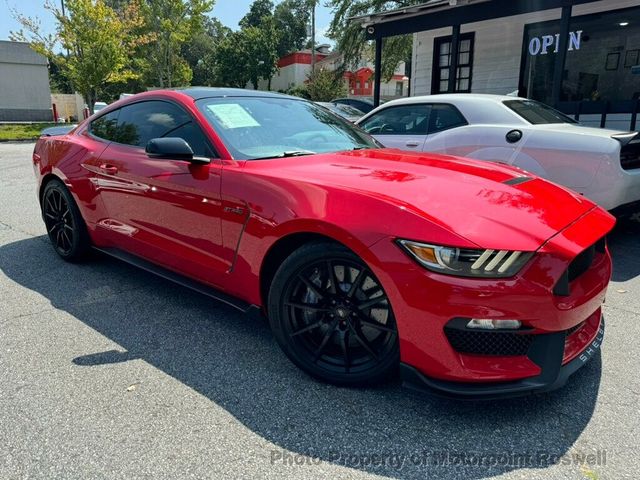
(67, 238)
(325, 340)
(362, 340)
(306, 329)
(344, 345)
(307, 306)
(53, 228)
(59, 201)
(48, 215)
(333, 281)
(376, 325)
(52, 208)
(310, 285)
(357, 282)
(68, 227)
(371, 302)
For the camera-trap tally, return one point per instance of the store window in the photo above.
(399, 89)
(442, 62)
(601, 52)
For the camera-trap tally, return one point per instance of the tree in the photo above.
(174, 22)
(258, 10)
(349, 35)
(97, 38)
(246, 56)
(324, 85)
(202, 49)
(291, 18)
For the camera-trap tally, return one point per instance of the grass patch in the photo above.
(22, 131)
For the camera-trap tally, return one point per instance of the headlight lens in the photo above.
(466, 262)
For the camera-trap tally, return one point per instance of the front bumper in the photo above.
(547, 352)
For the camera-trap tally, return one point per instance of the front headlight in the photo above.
(466, 262)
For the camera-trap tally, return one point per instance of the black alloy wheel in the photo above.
(65, 227)
(332, 317)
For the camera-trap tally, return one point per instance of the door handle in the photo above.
(412, 144)
(108, 169)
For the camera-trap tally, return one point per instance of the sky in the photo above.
(228, 11)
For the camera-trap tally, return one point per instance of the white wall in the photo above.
(498, 48)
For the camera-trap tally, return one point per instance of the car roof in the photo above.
(198, 93)
(477, 108)
(454, 97)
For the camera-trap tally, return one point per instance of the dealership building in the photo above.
(24, 84)
(581, 56)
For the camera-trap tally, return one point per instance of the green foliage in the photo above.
(98, 41)
(247, 55)
(258, 10)
(325, 85)
(291, 18)
(58, 79)
(349, 35)
(202, 50)
(299, 91)
(22, 131)
(174, 23)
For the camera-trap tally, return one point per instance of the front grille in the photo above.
(578, 267)
(630, 155)
(488, 343)
(501, 343)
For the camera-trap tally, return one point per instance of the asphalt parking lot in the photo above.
(109, 372)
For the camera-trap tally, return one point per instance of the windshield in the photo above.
(348, 110)
(537, 113)
(264, 127)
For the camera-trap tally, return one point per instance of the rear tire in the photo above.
(331, 316)
(65, 225)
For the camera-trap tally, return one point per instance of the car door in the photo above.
(168, 211)
(399, 126)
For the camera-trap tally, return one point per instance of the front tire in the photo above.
(331, 316)
(65, 226)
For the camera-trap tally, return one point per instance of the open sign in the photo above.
(551, 43)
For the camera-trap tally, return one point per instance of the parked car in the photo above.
(99, 106)
(364, 104)
(603, 165)
(345, 111)
(475, 279)
(57, 130)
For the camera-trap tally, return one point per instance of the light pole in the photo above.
(313, 36)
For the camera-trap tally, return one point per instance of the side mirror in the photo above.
(173, 148)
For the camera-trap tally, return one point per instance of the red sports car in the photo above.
(469, 278)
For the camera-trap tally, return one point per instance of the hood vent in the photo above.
(517, 180)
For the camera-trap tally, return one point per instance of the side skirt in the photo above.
(180, 279)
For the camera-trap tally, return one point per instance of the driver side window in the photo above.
(400, 120)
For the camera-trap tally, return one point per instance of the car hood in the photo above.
(490, 205)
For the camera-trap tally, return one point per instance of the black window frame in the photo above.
(195, 121)
(446, 104)
(436, 68)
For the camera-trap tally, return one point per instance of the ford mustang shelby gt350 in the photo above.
(466, 277)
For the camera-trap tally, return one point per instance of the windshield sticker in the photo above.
(232, 115)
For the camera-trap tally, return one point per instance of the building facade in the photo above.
(517, 54)
(580, 56)
(25, 95)
(294, 68)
